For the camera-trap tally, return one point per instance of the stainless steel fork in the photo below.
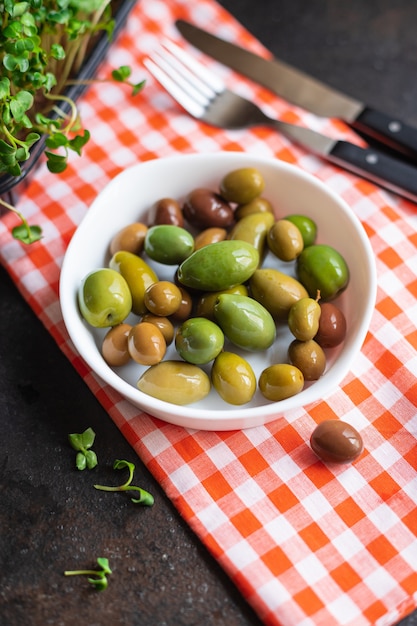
(204, 96)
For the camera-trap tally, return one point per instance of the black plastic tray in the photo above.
(9, 184)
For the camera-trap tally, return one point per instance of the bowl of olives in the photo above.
(218, 291)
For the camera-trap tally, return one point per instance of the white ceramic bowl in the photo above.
(128, 198)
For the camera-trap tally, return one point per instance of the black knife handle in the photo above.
(387, 130)
(387, 172)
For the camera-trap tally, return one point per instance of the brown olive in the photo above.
(163, 323)
(146, 344)
(185, 308)
(309, 357)
(332, 326)
(114, 348)
(209, 235)
(163, 298)
(166, 211)
(129, 238)
(204, 208)
(336, 441)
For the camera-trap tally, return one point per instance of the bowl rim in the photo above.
(231, 417)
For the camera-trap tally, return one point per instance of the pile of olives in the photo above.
(223, 301)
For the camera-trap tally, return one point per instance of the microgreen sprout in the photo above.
(145, 498)
(82, 443)
(98, 578)
(43, 45)
(24, 232)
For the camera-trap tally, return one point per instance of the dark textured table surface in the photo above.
(50, 518)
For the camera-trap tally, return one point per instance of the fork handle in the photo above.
(386, 171)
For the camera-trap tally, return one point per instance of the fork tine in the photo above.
(195, 67)
(191, 74)
(193, 107)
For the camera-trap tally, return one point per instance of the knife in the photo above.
(305, 91)
(388, 172)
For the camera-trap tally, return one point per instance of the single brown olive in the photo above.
(309, 357)
(163, 298)
(332, 326)
(146, 344)
(167, 211)
(204, 208)
(335, 441)
(114, 348)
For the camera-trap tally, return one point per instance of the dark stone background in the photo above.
(50, 518)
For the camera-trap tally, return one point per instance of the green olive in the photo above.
(280, 381)
(253, 229)
(276, 291)
(309, 357)
(233, 378)
(303, 318)
(177, 382)
(146, 343)
(322, 268)
(219, 266)
(138, 275)
(258, 205)
(162, 298)
(245, 322)
(206, 302)
(306, 226)
(242, 185)
(114, 348)
(285, 240)
(168, 244)
(199, 340)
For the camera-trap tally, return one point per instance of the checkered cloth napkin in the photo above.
(305, 543)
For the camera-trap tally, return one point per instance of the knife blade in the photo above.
(304, 91)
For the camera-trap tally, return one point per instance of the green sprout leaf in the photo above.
(98, 578)
(79, 141)
(145, 498)
(121, 73)
(27, 234)
(138, 87)
(82, 443)
(56, 163)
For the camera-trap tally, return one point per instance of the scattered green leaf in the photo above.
(98, 578)
(145, 498)
(82, 443)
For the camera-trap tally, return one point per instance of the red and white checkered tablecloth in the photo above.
(305, 543)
